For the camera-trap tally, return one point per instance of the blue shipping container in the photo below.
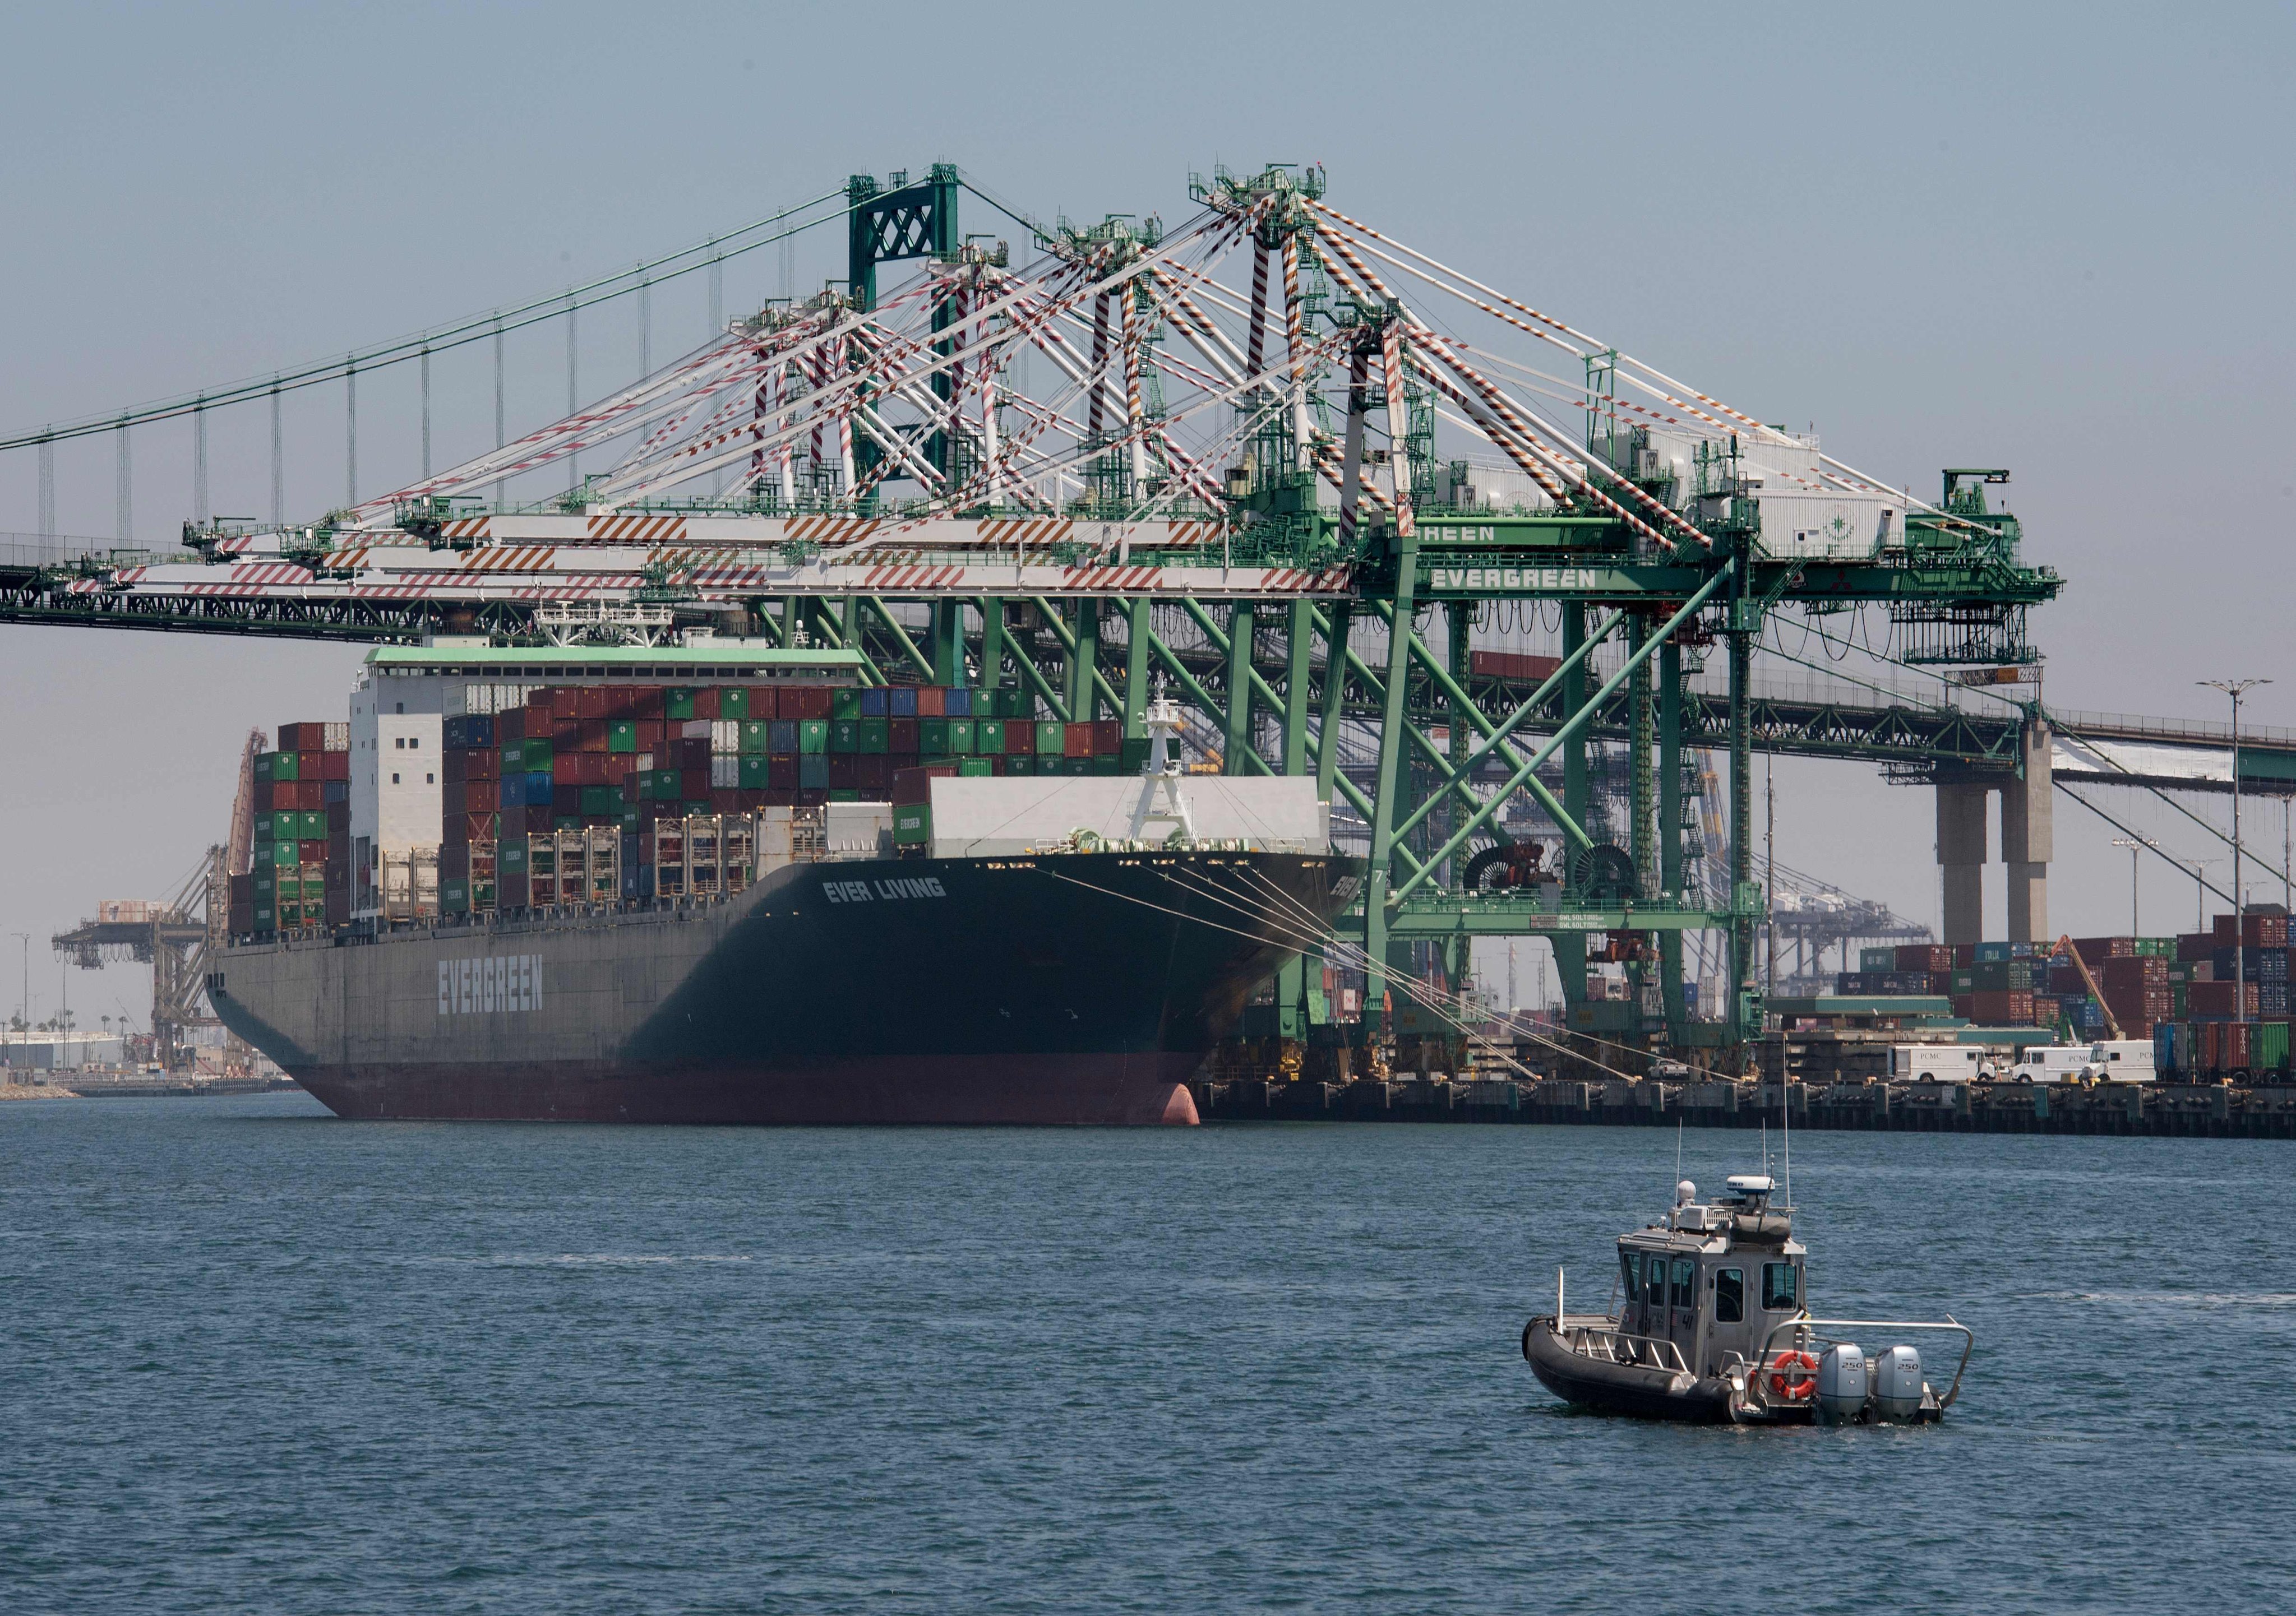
(956, 704)
(904, 698)
(780, 736)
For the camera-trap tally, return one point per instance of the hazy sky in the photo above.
(2051, 238)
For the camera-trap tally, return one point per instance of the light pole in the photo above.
(2137, 846)
(2236, 688)
(2200, 893)
(24, 1010)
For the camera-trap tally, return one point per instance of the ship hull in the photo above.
(1080, 990)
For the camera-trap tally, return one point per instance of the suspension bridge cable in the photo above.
(437, 339)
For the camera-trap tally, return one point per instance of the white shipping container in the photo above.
(992, 818)
(725, 737)
(724, 773)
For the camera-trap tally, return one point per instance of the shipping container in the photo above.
(900, 702)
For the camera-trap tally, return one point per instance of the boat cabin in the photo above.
(1714, 1277)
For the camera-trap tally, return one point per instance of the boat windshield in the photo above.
(1729, 1295)
(1780, 1286)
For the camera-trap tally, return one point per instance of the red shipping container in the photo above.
(1964, 1006)
(537, 817)
(333, 765)
(2216, 999)
(2194, 945)
(1020, 736)
(590, 735)
(780, 771)
(1107, 737)
(810, 796)
(724, 799)
(307, 765)
(565, 702)
(781, 797)
(706, 704)
(565, 801)
(619, 766)
(480, 796)
(1923, 957)
(263, 796)
(310, 795)
(932, 701)
(1965, 955)
(692, 753)
(764, 702)
(2097, 950)
(842, 770)
(913, 785)
(2006, 1008)
(482, 763)
(1512, 664)
(479, 827)
(810, 701)
(453, 858)
(873, 774)
(565, 768)
(903, 734)
(645, 701)
(2134, 970)
(590, 702)
(694, 784)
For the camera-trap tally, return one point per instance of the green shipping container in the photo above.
(282, 765)
(1015, 703)
(754, 775)
(1052, 738)
(621, 735)
(844, 735)
(988, 736)
(266, 916)
(932, 736)
(1133, 757)
(677, 704)
(454, 896)
(668, 785)
(732, 703)
(973, 768)
(537, 756)
(960, 735)
(263, 827)
(812, 735)
(845, 703)
(509, 858)
(755, 733)
(513, 758)
(1019, 762)
(314, 890)
(314, 824)
(286, 855)
(912, 824)
(876, 735)
(598, 801)
(844, 793)
(266, 878)
(1102, 765)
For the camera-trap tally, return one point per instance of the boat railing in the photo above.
(1621, 1347)
(1805, 1332)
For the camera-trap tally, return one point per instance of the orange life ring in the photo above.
(1793, 1376)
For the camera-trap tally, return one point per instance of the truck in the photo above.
(2112, 1060)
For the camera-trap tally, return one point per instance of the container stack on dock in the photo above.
(2179, 991)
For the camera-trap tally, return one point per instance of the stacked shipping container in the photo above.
(300, 873)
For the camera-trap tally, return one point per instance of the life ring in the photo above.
(1793, 1376)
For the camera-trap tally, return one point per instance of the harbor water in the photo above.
(258, 1359)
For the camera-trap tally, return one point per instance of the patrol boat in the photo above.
(1714, 1327)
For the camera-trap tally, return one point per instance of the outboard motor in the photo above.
(1897, 1385)
(1842, 1381)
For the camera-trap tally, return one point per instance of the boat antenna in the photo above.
(1677, 1150)
(1786, 1133)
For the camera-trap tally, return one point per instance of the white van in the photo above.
(2127, 1060)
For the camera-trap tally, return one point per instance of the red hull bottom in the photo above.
(1087, 1090)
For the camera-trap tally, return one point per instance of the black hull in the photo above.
(1080, 988)
(1625, 1389)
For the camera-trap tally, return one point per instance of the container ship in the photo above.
(703, 884)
